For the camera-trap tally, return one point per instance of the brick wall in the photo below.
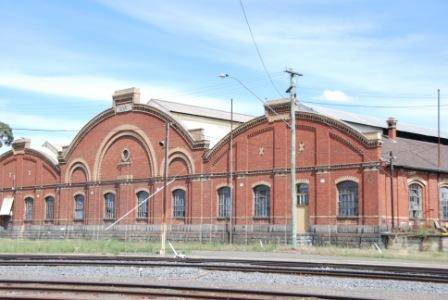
(95, 163)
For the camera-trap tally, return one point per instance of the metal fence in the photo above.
(246, 230)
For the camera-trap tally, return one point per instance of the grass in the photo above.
(402, 254)
(113, 246)
(147, 248)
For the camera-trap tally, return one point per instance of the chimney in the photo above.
(278, 109)
(124, 100)
(19, 145)
(197, 133)
(392, 128)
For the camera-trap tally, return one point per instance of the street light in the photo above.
(225, 75)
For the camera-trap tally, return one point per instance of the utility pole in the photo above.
(438, 129)
(231, 171)
(165, 179)
(292, 92)
(391, 163)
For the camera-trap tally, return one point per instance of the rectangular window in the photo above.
(302, 194)
(415, 201)
(49, 208)
(28, 209)
(142, 202)
(79, 207)
(444, 202)
(224, 202)
(262, 201)
(348, 199)
(109, 204)
(179, 204)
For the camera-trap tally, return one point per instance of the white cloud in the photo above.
(335, 96)
(324, 46)
(87, 87)
(101, 88)
(18, 120)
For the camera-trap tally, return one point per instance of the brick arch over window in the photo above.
(346, 178)
(417, 180)
(120, 132)
(77, 166)
(181, 156)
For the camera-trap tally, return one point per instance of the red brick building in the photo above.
(117, 161)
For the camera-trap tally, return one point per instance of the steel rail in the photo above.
(142, 260)
(421, 274)
(160, 290)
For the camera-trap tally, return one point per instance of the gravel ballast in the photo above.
(319, 284)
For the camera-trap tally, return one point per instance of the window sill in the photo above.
(179, 218)
(78, 220)
(142, 219)
(417, 219)
(261, 218)
(223, 218)
(108, 220)
(347, 217)
(48, 221)
(28, 221)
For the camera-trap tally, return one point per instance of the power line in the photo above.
(258, 50)
(373, 106)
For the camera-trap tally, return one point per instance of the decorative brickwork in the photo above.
(119, 151)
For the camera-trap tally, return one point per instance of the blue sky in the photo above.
(60, 61)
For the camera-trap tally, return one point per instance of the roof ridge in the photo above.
(198, 106)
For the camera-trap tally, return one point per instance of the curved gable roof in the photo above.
(304, 115)
(137, 107)
(37, 153)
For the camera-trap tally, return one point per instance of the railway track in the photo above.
(384, 272)
(40, 289)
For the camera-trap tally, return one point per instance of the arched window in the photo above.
(109, 205)
(348, 199)
(28, 209)
(261, 201)
(224, 202)
(142, 201)
(444, 201)
(179, 203)
(79, 207)
(49, 208)
(415, 201)
(302, 194)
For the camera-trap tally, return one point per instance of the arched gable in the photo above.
(307, 116)
(28, 168)
(35, 156)
(142, 108)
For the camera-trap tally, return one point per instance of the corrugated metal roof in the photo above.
(415, 153)
(198, 110)
(48, 153)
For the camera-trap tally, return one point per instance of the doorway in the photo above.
(303, 219)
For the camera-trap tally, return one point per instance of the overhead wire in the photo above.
(372, 106)
(258, 49)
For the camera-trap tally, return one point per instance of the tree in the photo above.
(6, 136)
